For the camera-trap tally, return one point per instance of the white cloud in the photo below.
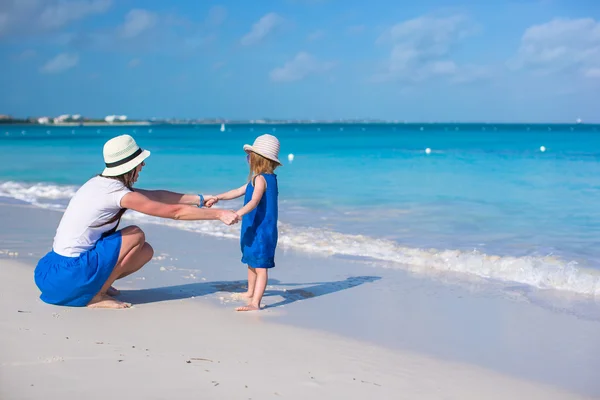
(356, 29)
(134, 62)
(316, 35)
(592, 73)
(196, 42)
(216, 16)
(262, 28)
(302, 65)
(4, 22)
(137, 21)
(35, 16)
(60, 63)
(560, 45)
(63, 12)
(25, 55)
(421, 47)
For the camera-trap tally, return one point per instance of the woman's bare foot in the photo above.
(105, 301)
(247, 295)
(112, 291)
(249, 307)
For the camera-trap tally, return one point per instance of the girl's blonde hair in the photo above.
(260, 165)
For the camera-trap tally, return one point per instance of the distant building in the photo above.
(110, 118)
(123, 118)
(43, 120)
(61, 118)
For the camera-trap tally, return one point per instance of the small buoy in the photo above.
(543, 149)
(428, 150)
(290, 157)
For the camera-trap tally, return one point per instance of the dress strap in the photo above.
(256, 176)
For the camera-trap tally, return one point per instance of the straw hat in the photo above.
(266, 146)
(121, 155)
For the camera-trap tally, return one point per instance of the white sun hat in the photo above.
(121, 155)
(265, 145)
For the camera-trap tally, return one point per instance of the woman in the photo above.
(88, 253)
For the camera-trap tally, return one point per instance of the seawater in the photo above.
(485, 202)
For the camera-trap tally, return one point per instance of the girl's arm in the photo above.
(232, 194)
(139, 202)
(260, 185)
(164, 196)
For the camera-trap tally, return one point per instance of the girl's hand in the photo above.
(210, 201)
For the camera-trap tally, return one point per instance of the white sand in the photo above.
(190, 349)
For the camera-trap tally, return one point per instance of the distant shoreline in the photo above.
(132, 123)
(191, 123)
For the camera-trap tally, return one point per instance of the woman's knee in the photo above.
(133, 234)
(147, 251)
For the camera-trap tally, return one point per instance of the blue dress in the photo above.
(258, 238)
(74, 281)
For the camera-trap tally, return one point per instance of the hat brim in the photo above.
(249, 149)
(128, 166)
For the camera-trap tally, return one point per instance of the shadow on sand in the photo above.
(308, 290)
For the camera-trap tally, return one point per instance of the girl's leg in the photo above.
(134, 254)
(251, 282)
(262, 276)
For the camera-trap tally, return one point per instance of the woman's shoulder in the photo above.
(101, 183)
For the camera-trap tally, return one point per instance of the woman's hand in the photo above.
(210, 201)
(228, 217)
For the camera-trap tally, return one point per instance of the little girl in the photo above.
(258, 238)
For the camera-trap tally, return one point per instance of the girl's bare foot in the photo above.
(249, 307)
(105, 301)
(112, 291)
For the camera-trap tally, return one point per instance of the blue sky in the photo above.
(432, 60)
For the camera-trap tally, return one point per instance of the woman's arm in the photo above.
(164, 196)
(139, 202)
(260, 185)
(232, 194)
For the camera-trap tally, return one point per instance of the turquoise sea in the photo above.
(486, 202)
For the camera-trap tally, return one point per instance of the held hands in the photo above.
(210, 201)
(228, 217)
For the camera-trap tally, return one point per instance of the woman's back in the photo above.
(81, 226)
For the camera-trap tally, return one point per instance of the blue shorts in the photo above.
(74, 281)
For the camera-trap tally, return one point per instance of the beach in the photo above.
(332, 328)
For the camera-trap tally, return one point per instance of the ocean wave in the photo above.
(540, 272)
(40, 194)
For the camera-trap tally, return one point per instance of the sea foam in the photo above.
(540, 272)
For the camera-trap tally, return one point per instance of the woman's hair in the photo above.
(260, 165)
(127, 180)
